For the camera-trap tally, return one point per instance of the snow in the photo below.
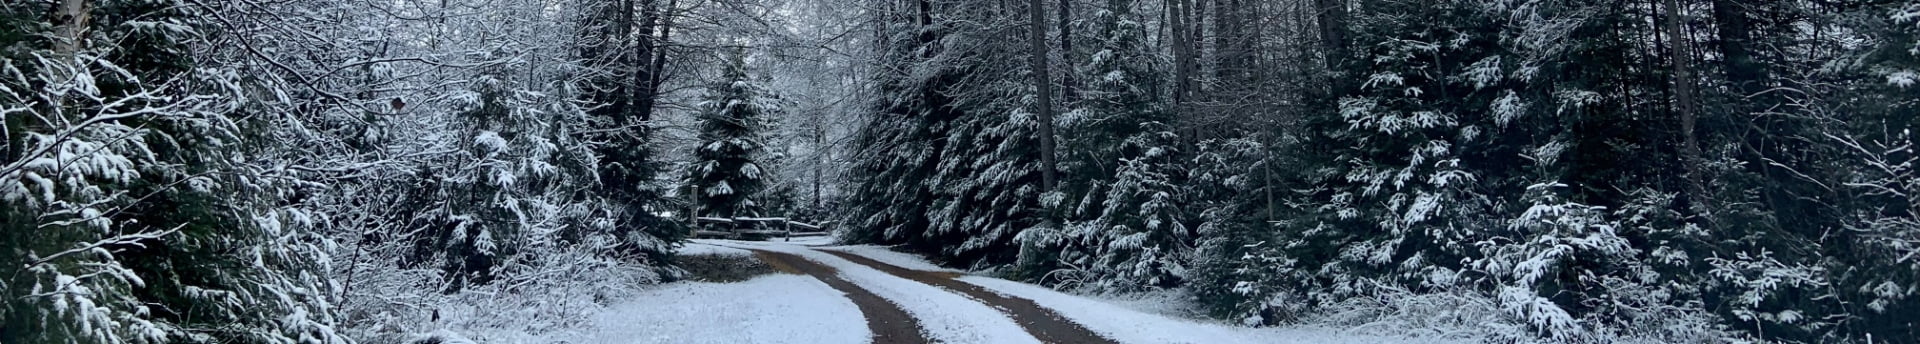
(784, 308)
(777, 308)
(1903, 79)
(823, 240)
(699, 249)
(947, 317)
(1126, 325)
(441, 336)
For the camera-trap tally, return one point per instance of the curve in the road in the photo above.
(1043, 323)
(889, 323)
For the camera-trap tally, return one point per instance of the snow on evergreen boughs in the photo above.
(1892, 179)
(726, 170)
(131, 170)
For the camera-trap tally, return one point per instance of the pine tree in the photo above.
(726, 174)
(957, 172)
(890, 197)
(1406, 201)
(1133, 229)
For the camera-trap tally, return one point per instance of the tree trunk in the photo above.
(1332, 18)
(643, 73)
(1736, 36)
(70, 21)
(1069, 89)
(1196, 35)
(1223, 19)
(1182, 54)
(1043, 89)
(655, 56)
(821, 155)
(1688, 111)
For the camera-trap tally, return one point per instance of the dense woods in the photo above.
(1545, 170)
(318, 171)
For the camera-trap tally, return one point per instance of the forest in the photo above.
(1498, 171)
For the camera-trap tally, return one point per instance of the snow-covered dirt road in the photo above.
(1041, 322)
(864, 294)
(886, 321)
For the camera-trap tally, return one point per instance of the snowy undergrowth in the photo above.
(1170, 302)
(1477, 318)
(551, 301)
(1393, 315)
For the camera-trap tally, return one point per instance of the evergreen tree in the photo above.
(514, 183)
(956, 172)
(133, 211)
(892, 194)
(1131, 228)
(727, 175)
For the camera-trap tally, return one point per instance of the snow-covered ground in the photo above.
(778, 308)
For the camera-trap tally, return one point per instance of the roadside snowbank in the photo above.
(699, 249)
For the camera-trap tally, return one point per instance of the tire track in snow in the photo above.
(1041, 322)
(890, 324)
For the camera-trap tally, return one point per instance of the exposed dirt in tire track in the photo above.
(1041, 322)
(889, 323)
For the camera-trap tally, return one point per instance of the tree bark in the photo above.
(821, 154)
(1196, 42)
(70, 19)
(1688, 112)
(643, 73)
(1069, 89)
(1332, 18)
(654, 57)
(1223, 18)
(1182, 53)
(1043, 89)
